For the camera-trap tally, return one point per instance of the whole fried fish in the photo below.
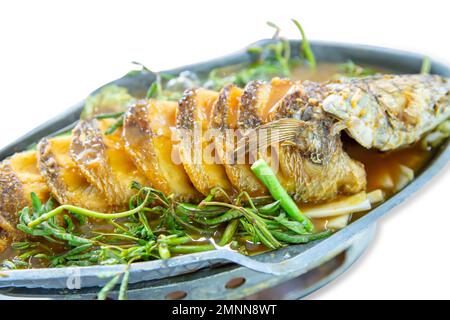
(302, 120)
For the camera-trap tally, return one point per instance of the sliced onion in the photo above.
(356, 203)
(338, 222)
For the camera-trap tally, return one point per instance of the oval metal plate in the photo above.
(293, 260)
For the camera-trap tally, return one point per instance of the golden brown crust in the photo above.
(19, 177)
(185, 114)
(63, 177)
(199, 160)
(314, 167)
(88, 151)
(12, 200)
(12, 195)
(102, 159)
(311, 182)
(255, 93)
(49, 169)
(224, 118)
(253, 110)
(149, 149)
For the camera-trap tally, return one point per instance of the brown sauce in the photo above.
(323, 72)
(383, 169)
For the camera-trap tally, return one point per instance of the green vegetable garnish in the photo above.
(306, 48)
(110, 99)
(426, 66)
(351, 70)
(277, 29)
(299, 239)
(266, 175)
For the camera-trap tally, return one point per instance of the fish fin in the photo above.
(275, 132)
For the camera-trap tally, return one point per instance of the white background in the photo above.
(52, 54)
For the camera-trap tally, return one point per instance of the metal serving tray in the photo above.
(157, 279)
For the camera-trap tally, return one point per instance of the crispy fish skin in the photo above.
(310, 178)
(199, 159)
(224, 120)
(314, 167)
(250, 111)
(88, 151)
(390, 111)
(19, 176)
(103, 161)
(12, 200)
(148, 141)
(64, 179)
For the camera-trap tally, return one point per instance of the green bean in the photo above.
(304, 238)
(23, 245)
(266, 175)
(229, 215)
(28, 254)
(270, 208)
(184, 249)
(294, 226)
(229, 232)
(74, 251)
(173, 241)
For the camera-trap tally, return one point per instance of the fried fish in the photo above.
(302, 122)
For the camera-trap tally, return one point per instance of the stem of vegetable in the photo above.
(88, 213)
(229, 215)
(124, 286)
(229, 232)
(191, 248)
(306, 48)
(303, 238)
(103, 294)
(266, 175)
(173, 241)
(426, 66)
